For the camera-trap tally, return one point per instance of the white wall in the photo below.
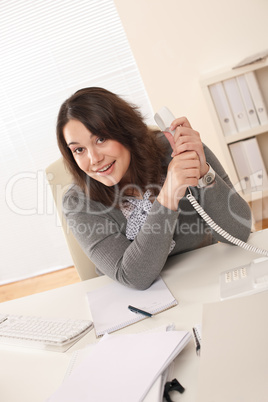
(176, 42)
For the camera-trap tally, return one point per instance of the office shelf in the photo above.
(260, 131)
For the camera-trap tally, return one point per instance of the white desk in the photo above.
(29, 375)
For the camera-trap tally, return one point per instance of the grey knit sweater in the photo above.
(101, 231)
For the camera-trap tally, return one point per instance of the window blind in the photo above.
(49, 49)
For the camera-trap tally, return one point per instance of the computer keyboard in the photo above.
(42, 333)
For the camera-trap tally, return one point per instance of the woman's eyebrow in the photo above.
(77, 143)
(73, 143)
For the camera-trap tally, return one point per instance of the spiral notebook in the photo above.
(109, 305)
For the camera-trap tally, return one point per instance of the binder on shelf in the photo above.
(241, 165)
(237, 106)
(249, 165)
(248, 102)
(257, 97)
(223, 109)
(258, 177)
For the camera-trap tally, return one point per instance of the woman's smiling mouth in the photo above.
(106, 169)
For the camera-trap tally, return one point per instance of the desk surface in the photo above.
(193, 278)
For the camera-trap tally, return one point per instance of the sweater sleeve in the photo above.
(101, 234)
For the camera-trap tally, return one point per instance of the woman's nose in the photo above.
(94, 156)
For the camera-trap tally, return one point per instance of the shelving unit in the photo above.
(260, 132)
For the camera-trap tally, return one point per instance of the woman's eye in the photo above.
(78, 150)
(100, 140)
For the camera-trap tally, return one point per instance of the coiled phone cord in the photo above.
(221, 231)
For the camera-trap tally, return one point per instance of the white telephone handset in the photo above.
(164, 118)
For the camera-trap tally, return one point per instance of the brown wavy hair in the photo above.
(107, 115)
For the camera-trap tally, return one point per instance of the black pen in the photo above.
(137, 310)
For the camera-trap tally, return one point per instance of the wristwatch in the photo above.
(208, 178)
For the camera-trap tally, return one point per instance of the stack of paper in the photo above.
(122, 367)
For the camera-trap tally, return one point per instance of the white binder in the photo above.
(258, 173)
(257, 97)
(223, 109)
(248, 102)
(241, 165)
(237, 106)
(249, 165)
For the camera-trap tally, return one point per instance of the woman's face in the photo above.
(105, 160)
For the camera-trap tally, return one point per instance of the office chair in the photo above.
(59, 179)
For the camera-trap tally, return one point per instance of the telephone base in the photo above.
(245, 279)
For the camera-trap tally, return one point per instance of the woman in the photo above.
(127, 207)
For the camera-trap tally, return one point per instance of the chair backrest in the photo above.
(60, 179)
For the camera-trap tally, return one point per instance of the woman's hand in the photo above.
(183, 171)
(186, 139)
(187, 166)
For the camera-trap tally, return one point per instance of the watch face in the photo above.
(209, 178)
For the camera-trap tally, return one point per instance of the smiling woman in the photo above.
(105, 160)
(95, 129)
(127, 207)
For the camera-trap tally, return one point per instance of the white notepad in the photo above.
(109, 304)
